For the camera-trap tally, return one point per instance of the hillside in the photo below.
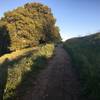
(85, 55)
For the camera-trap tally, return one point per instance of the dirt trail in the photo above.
(57, 82)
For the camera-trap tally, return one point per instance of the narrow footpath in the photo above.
(57, 82)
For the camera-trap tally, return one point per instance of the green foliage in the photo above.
(18, 75)
(85, 54)
(29, 24)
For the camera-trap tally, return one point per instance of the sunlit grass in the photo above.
(20, 72)
(16, 54)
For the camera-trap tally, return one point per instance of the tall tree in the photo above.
(29, 24)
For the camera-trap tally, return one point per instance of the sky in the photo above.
(74, 17)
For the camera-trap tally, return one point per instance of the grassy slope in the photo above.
(85, 54)
(16, 76)
(16, 54)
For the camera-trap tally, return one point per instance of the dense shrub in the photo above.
(28, 25)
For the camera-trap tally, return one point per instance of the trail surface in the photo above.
(57, 82)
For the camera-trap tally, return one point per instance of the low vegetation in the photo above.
(17, 76)
(85, 55)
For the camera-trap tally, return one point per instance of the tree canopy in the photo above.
(27, 25)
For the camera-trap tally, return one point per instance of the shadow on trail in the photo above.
(28, 79)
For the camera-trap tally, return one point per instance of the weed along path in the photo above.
(57, 82)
